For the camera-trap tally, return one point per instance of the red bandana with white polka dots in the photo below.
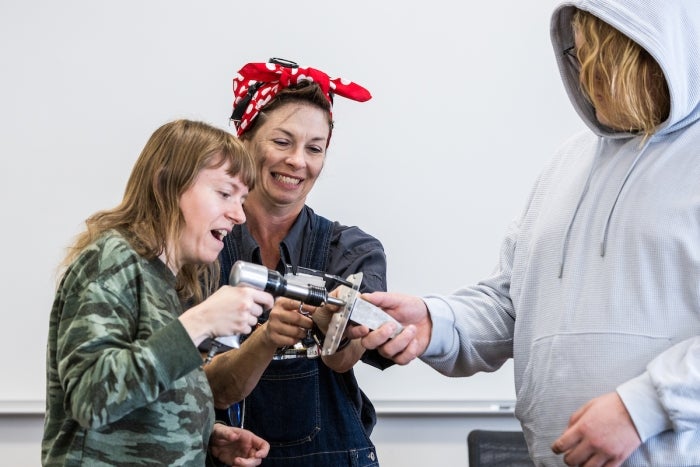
(259, 83)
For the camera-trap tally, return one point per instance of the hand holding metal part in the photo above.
(352, 308)
(358, 311)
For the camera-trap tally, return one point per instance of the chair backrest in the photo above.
(497, 449)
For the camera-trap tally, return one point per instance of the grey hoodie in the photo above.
(597, 288)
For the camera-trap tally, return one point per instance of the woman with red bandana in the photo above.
(309, 407)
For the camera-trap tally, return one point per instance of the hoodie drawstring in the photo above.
(565, 245)
(604, 240)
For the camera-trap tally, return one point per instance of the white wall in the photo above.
(467, 107)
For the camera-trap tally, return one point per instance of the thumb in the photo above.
(375, 298)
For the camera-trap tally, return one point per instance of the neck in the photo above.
(170, 264)
(269, 226)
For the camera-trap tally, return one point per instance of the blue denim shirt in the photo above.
(311, 415)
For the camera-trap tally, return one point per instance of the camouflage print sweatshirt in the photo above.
(124, 380)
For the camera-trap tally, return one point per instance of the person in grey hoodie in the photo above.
(596, 294)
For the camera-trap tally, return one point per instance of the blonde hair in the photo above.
(630, 82)
(149, 216)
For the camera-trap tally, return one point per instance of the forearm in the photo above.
(343, 360)
(456, 320)
(666, 395)
(347, 355)
(196, 325)
(140, 369)
(233, 375)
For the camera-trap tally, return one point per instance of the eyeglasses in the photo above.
(570, 54)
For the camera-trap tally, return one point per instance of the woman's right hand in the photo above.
(286, 325)
(228, 311)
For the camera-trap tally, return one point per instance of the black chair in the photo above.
(497, 449)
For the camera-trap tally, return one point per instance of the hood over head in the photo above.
(668, 30)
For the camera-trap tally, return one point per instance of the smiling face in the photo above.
(289, 147)
(211, 206)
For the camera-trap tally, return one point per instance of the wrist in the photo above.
(344, 342)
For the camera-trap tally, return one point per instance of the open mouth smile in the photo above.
(286, 179)
(219, 234)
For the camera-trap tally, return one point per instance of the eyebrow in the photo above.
(291, 135)
(238, 185)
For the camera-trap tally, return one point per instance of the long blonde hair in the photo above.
(630, 82)
(149, 215)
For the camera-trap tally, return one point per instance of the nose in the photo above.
(296, 157)
(235, 212)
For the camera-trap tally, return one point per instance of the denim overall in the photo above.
(300, 406)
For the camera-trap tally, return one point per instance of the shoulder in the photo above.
(343, 235)
(353, 237)
(582, 144)
(353, 250)
(572, 159)
(111, 263)
(108, 253)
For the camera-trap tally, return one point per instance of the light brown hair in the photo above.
(149, 216)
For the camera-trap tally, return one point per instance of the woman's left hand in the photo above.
(237, 447)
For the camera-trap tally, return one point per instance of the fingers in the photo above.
(406, 356)
(353, 331)
(290, 316)
(600, 433)
(263, 299)
(248, 309)
(237, 446)
(286, 326)
(250, 304)
(247, 462)
(583, 454)
(223, 434)
(247, 298)
(292, 305)
(566, 441)
(580, 455)
(380, 336)
(380, 299)
(294, 326)
(402, 349)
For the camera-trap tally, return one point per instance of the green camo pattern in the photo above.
(124, 381)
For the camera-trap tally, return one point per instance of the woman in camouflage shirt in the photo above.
(125, 383)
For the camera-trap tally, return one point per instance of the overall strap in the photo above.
(229, 254)
(316, 255)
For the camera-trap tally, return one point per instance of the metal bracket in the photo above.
(356, 310)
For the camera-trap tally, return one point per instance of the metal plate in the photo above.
(339, 321)
(356, 310)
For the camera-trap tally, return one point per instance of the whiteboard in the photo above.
(467, 107)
